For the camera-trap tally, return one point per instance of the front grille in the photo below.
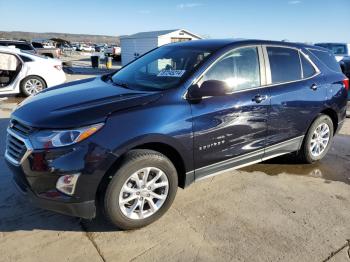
(15, 147)
(17, 144)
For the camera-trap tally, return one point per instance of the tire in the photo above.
(32, 85)
(124, 180)
(306, 153)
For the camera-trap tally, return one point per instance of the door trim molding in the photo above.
(250, 158)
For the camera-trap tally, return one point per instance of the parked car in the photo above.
(85, 48)
(186, 111)
(100, 48)
(340, 50)
(46, 51)
(345, 66)
(65, 47)
(113, 51)
(27, 73)
(22, 45)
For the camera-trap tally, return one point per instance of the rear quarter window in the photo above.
(23, 47)
(26, 59)
(327, 58)
(308, 69)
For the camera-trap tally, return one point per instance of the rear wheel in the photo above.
(317, 140)
(142, 189)
(32, 85)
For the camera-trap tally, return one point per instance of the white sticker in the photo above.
(171, 73)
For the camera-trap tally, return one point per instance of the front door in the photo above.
(10, 66)
(230, 130)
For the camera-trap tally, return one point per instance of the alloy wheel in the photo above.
(33, 86)
(319, 140)
(143, 193)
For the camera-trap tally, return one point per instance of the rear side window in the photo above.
(23, 46)
(327, 58)
(284, 63)
(26, 59)
(308, 69)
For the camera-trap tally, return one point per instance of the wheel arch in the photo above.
(35, 76)
(171, 153)
(165, 148)
(334, 117)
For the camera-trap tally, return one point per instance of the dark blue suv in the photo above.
(124, 142)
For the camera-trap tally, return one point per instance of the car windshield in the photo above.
(337, 49)
(163, 68)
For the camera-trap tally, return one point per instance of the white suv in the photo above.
(26, 73)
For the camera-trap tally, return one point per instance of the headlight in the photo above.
(59, 138)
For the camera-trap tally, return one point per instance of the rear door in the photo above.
(230, 130)
(297, 95)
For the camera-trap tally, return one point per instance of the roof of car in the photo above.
(331, 43)
(15, 51)
(14, 41)
(10, 49)
(220, 43)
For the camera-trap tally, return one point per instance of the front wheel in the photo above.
(32, 85)
(318, 140)
(141, 191)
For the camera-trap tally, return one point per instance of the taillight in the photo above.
(58, 67)
(346, 83)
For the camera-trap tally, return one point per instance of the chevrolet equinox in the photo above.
(123, 143)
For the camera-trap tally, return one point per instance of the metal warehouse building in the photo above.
(133, 46)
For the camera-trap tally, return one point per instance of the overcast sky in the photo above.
(295, 20)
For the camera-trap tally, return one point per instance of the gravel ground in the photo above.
(274, 211)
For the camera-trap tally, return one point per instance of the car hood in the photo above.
(79, 103)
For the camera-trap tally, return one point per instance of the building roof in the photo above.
(152, 34)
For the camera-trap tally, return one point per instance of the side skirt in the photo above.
(251, 158)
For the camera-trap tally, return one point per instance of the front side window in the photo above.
(284, 64)
(239, 69)
(161, 69)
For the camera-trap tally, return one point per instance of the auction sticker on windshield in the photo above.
(171, 73)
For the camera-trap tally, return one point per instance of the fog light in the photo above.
(66, 184)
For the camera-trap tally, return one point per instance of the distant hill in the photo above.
(18, 35)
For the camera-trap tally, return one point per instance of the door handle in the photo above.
(314, 87)
(259, 98)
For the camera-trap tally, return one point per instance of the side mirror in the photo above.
(208, 88)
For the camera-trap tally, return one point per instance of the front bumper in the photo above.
(59, 78)
(86, 209)
(37, 173)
